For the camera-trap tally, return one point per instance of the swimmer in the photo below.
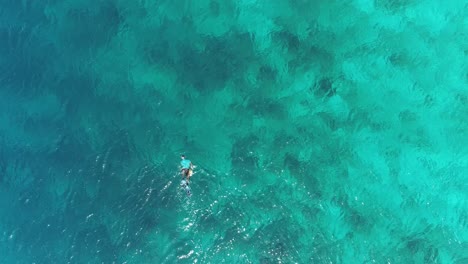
(187, 168)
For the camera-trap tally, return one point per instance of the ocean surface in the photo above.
(321, 131)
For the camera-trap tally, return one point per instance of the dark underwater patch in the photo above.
(242, 154)
(324, 88)
(88, 28)
(266, 107)
(291, 41)
(25, 60)
(221, 59)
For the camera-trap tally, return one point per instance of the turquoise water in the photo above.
(321, 131)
